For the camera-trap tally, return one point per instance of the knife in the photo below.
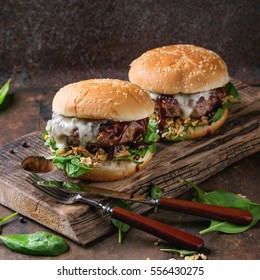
(216, 212)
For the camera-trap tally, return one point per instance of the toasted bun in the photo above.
(103, 99)
(179, 68)
(115, 169)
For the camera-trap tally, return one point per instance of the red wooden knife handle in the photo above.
(176, 237)
(206, 210)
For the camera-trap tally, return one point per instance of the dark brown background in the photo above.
(95, 38)
(47, 44)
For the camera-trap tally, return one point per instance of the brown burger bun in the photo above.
(115, 170)
(99, 99)
(179, 68)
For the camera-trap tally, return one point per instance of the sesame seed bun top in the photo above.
(103, 99)
(179, 69)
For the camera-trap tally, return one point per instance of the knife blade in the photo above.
(216, 212)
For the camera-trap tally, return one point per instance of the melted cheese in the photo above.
(60, 127)
(153, 95)
(187, 101)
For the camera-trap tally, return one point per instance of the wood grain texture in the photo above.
(194, 160)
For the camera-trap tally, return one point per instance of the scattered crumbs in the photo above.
(241, 195)
(195, 257)
(158, 242)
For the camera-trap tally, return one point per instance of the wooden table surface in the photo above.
(27, 109)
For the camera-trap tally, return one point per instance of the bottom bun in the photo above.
(115, 169)
(209, 129)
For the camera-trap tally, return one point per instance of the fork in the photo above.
(176, 237)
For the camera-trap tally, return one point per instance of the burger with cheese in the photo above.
(100, 129)
(190, 86)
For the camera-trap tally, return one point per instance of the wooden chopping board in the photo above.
(194, 160)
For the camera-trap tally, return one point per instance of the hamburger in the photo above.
(190, 86)
(100, 129)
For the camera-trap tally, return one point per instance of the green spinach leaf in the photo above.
(227, 227)
(182, 252)
(227, 199)
(156, 193)
(122, 227)
(218, 114)
(39, 243)
(71, 164)
(151, 136)
(231, 91)
(49, 141)
(4, 90)
(6, 218)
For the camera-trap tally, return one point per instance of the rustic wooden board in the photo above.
(195, 160)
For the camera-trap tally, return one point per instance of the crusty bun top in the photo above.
(103, 99)
(179, 69)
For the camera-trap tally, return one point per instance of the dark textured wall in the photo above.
(63, 36)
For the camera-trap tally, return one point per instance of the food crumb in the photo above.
(158, 242)
(241, 195)
(195, 257)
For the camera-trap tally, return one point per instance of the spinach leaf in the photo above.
(151, 136)
(71, 164)
(227, 199)
(72, 186)
(49, 141)
(227, 227)
(156, 193)
(122, 227)
(39, 243)
(201, 193)
(4, 90)
(6, 218)
(231, 91)
(218, 114)
(182, 252)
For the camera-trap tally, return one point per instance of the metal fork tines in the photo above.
(62, 195)
(177, 237)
